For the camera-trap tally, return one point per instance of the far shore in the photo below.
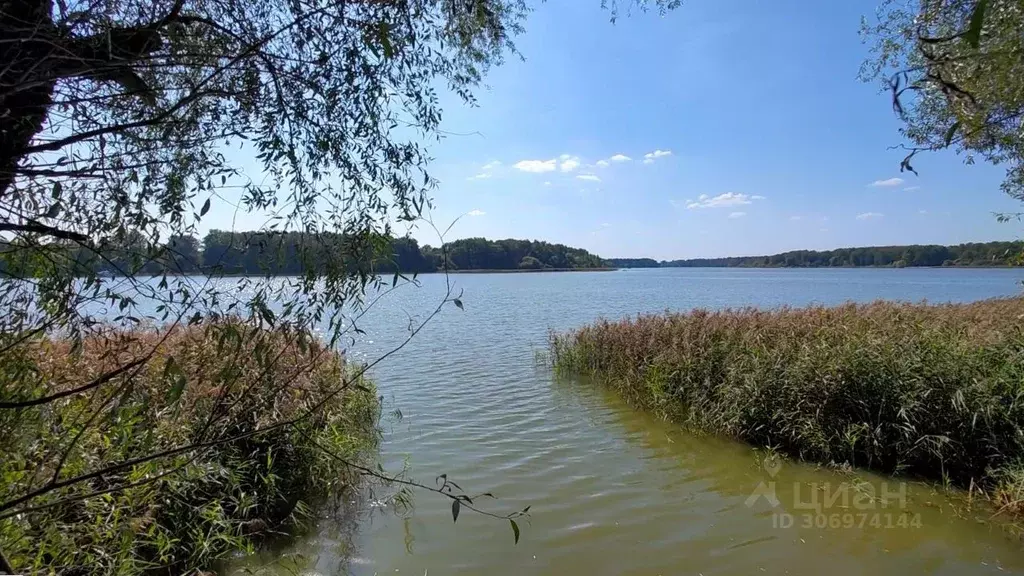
(518, 270)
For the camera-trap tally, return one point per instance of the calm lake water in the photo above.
(614, 491)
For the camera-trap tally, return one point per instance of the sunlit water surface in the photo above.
(611, 490)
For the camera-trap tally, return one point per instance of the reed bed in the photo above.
(932, 391)
(183, 511)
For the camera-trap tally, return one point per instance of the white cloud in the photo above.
(887, 183)
(480, 176)
(648, 160)
(476, 213)
(602, 163)
(569, 163)
(794, 218)
(547, 183)
(737, 214)
(727, 200)
(620, 158)
(657, 154)
(757, 197)
(822, 229)
(536, 166)
(911, 188)
(491, 165)
(589, 177)
(869, 216)
(922, 212)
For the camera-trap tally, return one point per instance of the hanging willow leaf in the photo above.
(174, 373)
(973, 35)
(948, 138)
(456, 506)
(515, 529)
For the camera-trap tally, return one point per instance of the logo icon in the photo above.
(771, 465)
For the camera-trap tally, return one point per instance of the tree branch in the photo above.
(43, 229)
(83, 388)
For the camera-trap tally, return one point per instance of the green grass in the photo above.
(929, 391)
(181, 512)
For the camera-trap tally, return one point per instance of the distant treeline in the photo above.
(973, 254)
(293, 253)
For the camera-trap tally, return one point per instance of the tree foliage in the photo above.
(509, 254)
(971, 254)
(955, 69)
(126, 123)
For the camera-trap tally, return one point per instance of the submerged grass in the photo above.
(934, 391)
(178, 513)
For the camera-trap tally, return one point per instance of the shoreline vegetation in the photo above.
(292, 254)
(926, 391)
(526, 271)
(182, 512)
(974, 254)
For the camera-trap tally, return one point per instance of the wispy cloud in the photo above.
(795, 218)
(887, 183)
(922, 212)
(536, 166)
(911, 188)
(602, 163)
(737, 214)
(569, 163)
(589, 177)
(869, 216)
(727, 200)
(486, 171)
(475, 213)
(547, 183)
(620, 158)
(650, 157)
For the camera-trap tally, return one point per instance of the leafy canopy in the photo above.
(956, 72)
(124, 123)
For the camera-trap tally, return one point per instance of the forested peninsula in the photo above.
(295, 253)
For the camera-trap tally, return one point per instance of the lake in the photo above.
(611, 490)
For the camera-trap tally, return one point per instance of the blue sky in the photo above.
(758, 136)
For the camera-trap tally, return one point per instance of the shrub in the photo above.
(932, 391)
(179, 512)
